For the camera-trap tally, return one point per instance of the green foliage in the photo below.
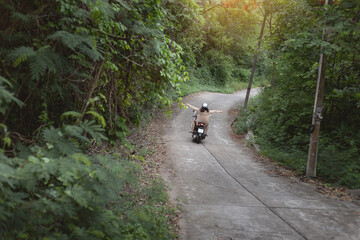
(281, 117)
(71, 114)
(74, 74)
(98, 117)
(223, 60)
(113, 57)
(120, 132)
(6, 96)
(93, 130)
(242, 74)
(5, 138)
(81, 43)
(56, 192)
(220, 66)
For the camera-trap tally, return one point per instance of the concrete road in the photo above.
(226, 194)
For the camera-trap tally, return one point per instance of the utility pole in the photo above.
(255, 61)
(317, 112)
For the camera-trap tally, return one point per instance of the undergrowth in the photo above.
(284, 137)
(201, 79)
(52, 190)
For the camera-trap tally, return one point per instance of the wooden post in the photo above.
(317, 113)
(317, 116)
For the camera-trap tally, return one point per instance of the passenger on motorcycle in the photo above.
(202, 115)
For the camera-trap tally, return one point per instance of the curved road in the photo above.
(226, 194)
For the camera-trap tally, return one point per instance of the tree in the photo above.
(255, 61)
(281, 119)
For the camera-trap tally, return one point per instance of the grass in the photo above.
(194, 87)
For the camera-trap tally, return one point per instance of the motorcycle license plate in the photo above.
(200, 130)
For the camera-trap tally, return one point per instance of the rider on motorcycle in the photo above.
(202, 115)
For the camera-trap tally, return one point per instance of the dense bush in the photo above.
(219, 65)
(53, 191)
(282, 129)
(75, 73)
(222, 49)
(112, 58)
(216, 71)
(281, 117)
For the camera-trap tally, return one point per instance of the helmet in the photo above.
(204, 107)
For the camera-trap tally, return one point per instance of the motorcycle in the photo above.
(199, 132)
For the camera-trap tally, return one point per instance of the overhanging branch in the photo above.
(205, 11)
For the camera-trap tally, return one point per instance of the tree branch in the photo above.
(92, 88)
(218, 5)
(113, 36)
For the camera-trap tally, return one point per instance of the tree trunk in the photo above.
(273, 76)
(92, 88)
(255, 61)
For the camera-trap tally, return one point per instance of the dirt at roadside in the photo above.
(150, 138)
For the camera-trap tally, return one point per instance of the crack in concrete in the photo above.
(256, 197)
(220, 187)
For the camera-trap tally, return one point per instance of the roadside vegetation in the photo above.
(280, 117)
(221, 53)
(79, 78)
